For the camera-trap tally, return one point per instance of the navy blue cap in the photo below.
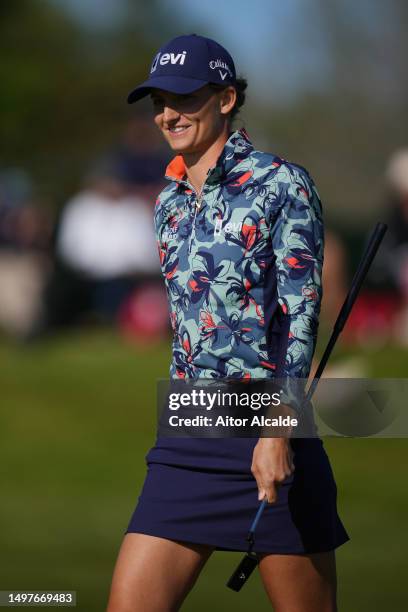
(185, 64)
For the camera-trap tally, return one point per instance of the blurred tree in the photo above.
(64, 88)
(367, 43)
(37, 53)
(345, 133)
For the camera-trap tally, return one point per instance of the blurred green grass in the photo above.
(77, 418)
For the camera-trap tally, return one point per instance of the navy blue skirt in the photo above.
(202, 491)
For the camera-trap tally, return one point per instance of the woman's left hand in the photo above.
(272, 463)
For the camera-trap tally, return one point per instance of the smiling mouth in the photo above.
(179, 129)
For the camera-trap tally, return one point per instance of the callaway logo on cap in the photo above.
(185, 64)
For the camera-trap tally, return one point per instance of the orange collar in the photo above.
(176, 169)
(238, 140)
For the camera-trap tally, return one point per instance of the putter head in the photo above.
(243, 572)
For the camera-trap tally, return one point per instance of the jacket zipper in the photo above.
(197, 205)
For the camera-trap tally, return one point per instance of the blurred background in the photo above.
(84, 330)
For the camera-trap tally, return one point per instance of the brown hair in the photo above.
(240, 86)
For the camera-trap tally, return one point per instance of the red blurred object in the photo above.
(143, 316)
(374, 315)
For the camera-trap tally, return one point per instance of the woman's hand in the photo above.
(272, 463)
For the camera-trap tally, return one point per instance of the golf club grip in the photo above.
(257, 517)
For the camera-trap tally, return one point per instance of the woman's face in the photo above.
(192, 122)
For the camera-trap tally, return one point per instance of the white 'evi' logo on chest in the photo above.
(166, 58)
(228, 228)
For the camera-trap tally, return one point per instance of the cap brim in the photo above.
(177, 85)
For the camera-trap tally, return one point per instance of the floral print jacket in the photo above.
(242, 265)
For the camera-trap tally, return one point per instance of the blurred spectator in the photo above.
(391, 267)
(334, 278)
(397, 240)
(105, 249)
(141, 157)
(24, 224)
(381, 313)
(25, 234)
(105, 231)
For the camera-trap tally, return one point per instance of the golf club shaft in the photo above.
(363, 267)
(361, 272)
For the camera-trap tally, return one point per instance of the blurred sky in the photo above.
(279, 46)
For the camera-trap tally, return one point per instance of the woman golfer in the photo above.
(240, 238)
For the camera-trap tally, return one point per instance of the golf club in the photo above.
(250, 561)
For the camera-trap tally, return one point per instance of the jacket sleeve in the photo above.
(298, 243)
